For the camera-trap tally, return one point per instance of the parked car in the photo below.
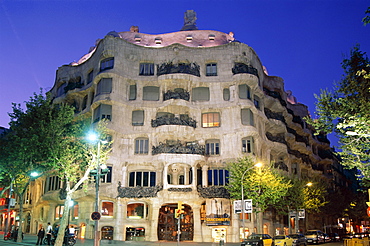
(326, 238)
(283, 240)
(334, 237)
(299, 239)
(258, 240)
(315, 236)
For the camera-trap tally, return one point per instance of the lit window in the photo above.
(211, 120)
(247, 117)
(107, 64)
(143, 179)
(107, 208)
(213, 147)
(248, 145)
(218, 177)
(211, 69)
(141, 146)
(146, 69)
(137, 211)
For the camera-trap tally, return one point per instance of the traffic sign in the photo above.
(95, 216)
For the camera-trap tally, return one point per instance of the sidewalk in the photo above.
(30, 239)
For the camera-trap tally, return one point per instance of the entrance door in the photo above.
(167, 223)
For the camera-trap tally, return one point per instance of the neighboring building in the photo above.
(180, 106)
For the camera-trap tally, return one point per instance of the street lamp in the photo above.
(93, 137)
(243, 202)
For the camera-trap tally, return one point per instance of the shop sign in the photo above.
(218, 212)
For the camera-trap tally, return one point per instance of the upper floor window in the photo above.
(146, 69)
(107, 63)
(211, 69)
(211, 120)
(132, 92)
(107, 208)
(107, 178)
(247, 117)
(84, 102)
(53, 183)
(138, 118)
(226, 94)
(143, 179)
(213, 147)
(103, 111)
(141, 146)
(218, 177)
(200, 94)
(90, 76)
(59, 210)
(257, 102)
(104, 86)
(151, 93)
(248, 145)
(244, 92)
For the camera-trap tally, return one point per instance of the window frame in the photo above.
(106, 64)
(213, 147)
(141, 146)
(137, 178)
(146, 69)
(217, 177)
(248, 145)
(211, 121)
(211, 69)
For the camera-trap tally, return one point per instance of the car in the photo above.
(315, 236)
(258, 240)
(326, 238)
(283, 240)
(334, 237)
(299, 239)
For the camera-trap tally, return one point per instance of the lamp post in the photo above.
(9, 203)
(243, 202)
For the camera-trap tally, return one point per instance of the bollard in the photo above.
(222, 242)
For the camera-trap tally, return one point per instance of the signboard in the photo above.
(248, 206)
(301, 213)
(95, 216)
(218, 212)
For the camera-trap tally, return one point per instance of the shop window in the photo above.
(132, 93)
(143, 179)
(107, 208)
(141, 146)
(135, 234)
(103, 111)
(226, 94)
(138, 118)
(107, 178)
(151, 93)
(211, 120)
(104, 86)
(211, 69)
(137, 211)
(247, 117)
(200, 94)
(213, 147)
(146, 69)
(106, 64)
(107, 233)
(248, 145)
(244, 92)
(218, 177)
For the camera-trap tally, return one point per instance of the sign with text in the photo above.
(248, 206)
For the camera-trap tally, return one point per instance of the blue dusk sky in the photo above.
(301, 41)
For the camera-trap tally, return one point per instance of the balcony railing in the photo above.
(187, 68)
(178, 147)
(160, 121)
(213, 192)
(138, 191)
(176, 94)
(244, 68)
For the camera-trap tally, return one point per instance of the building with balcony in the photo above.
(179, 106)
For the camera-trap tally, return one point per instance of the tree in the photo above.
(366, 19)
(265, 186)
(345, 111)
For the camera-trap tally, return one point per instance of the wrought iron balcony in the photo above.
(187, 68)
(183, 121)
(244, 68)
(176, 147)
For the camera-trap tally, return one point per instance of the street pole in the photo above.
(8, 209)
(97, 180)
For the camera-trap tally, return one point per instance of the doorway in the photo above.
(168, 224)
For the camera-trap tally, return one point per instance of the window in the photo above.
(90, 76)
(107, 64)
(59, 211)
(103, 111)
(211, 69)
(53, 183)
(200, 94)
(211, 120)
(247, 117)
(146, 69)
(244, 92)
(213, 147)
(137, 211)
(132, 93)
(60, 90)
(248, 145)
(218, 177)
(107, 178)
(257, 102)
(143, 179)
(151, 93)
(104, 86)
(226, 94)
(138, 118)
(107, 232)
(84, 102)
(107, 208)
(141, 146)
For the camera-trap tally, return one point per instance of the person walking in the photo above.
(49, 230)
(40, 235)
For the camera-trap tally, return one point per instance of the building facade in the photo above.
(179, 107)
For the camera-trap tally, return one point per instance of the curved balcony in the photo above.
(244, 68)
(178, 93)
(177, 147)
(160, 121)
(170, 68)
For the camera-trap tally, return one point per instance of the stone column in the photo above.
(119, 228)
(153, 222)
(198, 235)
(204, 176)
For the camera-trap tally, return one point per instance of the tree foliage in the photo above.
(345, 111)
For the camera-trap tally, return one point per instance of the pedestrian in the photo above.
(40, 235)
(49, 230)
(72, 231)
